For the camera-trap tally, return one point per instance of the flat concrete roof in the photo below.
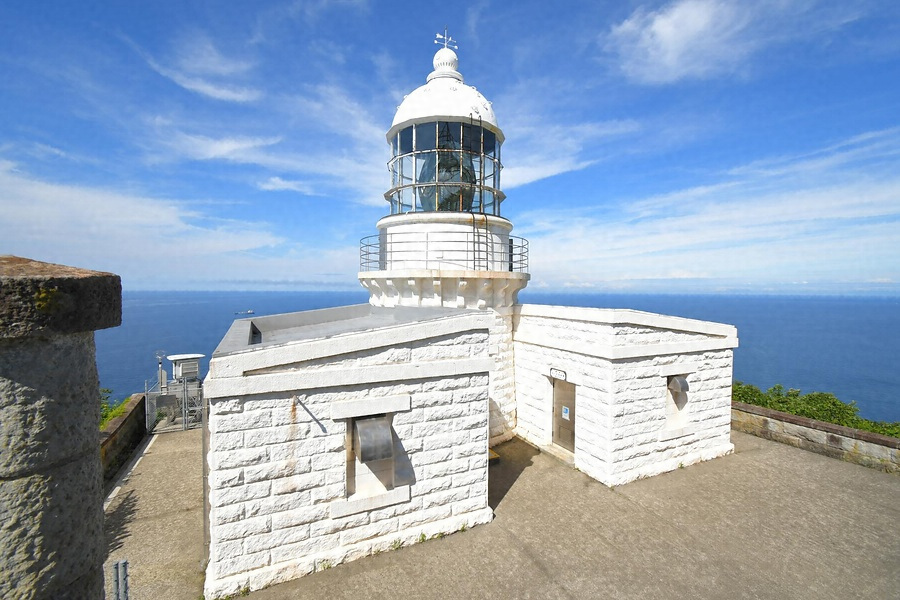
(260, 332)
(769, 521)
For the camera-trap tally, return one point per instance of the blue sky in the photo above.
(689, 146)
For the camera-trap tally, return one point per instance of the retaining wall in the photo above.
(122, 435)
(861, 447)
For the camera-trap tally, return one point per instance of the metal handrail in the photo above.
(432, 250)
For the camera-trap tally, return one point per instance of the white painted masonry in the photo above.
(451, 381)
(278, 456)
(620, 362)
(337, 433)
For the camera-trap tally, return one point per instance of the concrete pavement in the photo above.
(155, 520)
(769, 521)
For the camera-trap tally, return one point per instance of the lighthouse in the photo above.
(444, 241)
(338, 433)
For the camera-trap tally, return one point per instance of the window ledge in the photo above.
(351, 506)
(671, 434)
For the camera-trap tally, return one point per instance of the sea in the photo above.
(849, 346)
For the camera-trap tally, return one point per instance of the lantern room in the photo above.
(445, 146)
(444, 241)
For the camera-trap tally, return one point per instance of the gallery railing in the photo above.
(475, 250)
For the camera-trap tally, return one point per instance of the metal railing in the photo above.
(476, 250)
(176, 407)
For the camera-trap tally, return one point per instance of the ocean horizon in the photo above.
(845, 345)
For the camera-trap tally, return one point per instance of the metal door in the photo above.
(564, 414)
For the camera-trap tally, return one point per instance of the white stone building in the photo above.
(337, 433)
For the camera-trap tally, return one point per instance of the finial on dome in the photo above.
(446, 40)
(445, 60)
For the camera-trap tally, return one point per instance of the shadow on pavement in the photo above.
(118, 521)
(515, 457)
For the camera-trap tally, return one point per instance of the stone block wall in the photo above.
(122, 435)
(503, 384)
(51, 502)
(642, 443)
(852, 445)
(278, 460)
(620, 363)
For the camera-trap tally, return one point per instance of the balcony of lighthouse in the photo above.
(436, 241)
(450, 259)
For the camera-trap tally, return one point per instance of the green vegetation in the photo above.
(820, 406)
(109, 411)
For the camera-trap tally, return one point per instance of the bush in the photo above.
(820, 406)
(109, 411)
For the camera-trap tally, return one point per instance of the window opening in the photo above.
(677, 389)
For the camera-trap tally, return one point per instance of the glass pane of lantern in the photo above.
(425, 136)
(405, 199)
(487, 202)
(406, 140)
(395, 203)
(468, 171)
(448, 198)
(448, 135)
(427, 197)
(476, 200)
(476, 169)
(448, 166)
(394, 145)
(426, 167)
(426, 172)
(406, 170)
(489, 172)
(466, 197)
(471, 138)
(490, 142)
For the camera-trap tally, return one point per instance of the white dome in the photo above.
(444, 96)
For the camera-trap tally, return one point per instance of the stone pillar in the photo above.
(51, 490)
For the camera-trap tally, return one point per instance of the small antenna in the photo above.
(446, 40)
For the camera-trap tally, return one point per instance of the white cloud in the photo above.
(197, 54)
(153, 242)
(698, 39)
(326, 134)
(228, 93)
(202, 69)
(686, 38)
(200, 147)
(538, 149)
(277, 184)
(789, 226)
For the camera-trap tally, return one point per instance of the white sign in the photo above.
(557, 374)
(565, 412)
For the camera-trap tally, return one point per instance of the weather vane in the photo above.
(446, 40)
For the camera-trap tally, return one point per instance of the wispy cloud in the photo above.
(326, 134)
(698, 39)
(277, 184)
(771, 226)
(539, 149)
(139, 237)
(199, 67)
(232, 148)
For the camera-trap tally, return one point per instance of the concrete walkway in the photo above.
(770, 521)
(155, 520)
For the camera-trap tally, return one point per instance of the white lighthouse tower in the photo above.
(444, 242)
